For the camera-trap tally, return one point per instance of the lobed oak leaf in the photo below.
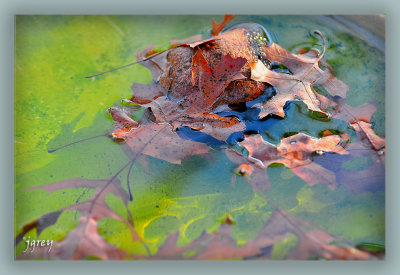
(288, 87)
(307, 65)
(313, 174)
(160, 140)
(306, 72)
(300, 146)
(175, 80)
(192, 80)
(295, 152)
(175, 69)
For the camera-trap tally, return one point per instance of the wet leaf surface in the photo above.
(273, 127)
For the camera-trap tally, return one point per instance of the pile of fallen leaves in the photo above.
(195, 82)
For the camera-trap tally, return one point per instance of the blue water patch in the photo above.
(298, 119)
(186, 132)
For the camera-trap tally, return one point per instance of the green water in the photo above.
(56, 105)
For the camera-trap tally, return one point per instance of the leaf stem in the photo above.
(77, 141)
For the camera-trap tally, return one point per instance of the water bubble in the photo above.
(255, 32)
(257, 37)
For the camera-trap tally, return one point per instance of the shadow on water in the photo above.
(298, 119)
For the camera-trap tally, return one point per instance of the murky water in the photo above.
(55, 105)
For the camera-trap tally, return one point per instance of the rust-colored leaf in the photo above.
(295, 152)
(218, 27)
(157, 140)
(194, 81)
(211, 83)
(377, 142)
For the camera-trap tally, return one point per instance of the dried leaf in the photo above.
(217, 28)
(187, 41)
(192, 81)
(295, 152)
(152, 60)
(306, 72)
(377, 142)
(144, 93)
(163, 142)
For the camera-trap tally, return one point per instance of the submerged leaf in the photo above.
(195, 81)
(296, 153)
(81, 243)
(220, 245)
(84, 240)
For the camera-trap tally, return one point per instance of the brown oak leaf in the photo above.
(306, 72)
(295, 152)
